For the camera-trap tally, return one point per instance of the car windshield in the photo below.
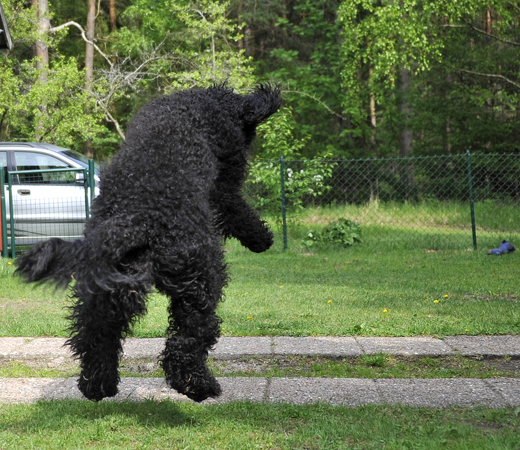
(79, 158)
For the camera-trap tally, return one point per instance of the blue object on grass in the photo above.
(504, 247)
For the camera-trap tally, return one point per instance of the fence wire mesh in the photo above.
(41, 204)
(419, 201)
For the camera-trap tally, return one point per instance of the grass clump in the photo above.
(343, 233)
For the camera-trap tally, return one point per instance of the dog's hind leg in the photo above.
(100, 320)
(194, 327)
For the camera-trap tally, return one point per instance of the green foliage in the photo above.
(464, 78)
(343, 233)
(307, 179)
(212, 56)
(57, 108)
(43, 104)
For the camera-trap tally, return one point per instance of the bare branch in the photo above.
(79, 27)
(514, 5)
(114, 121)
(318, 101)
(498, 38)
(488, 75)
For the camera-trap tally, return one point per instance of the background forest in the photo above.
(360, 78)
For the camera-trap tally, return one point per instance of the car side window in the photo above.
(3, 164)
(38, 161)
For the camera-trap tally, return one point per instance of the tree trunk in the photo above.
(487, 21)
(239, 20)
(41, 52)
(89, 65)
(406, 137)
(112, 8)
(248, 41)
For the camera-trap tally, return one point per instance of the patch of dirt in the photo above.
(417, 365)
(512, 365)
(22, 303)
(492, 298)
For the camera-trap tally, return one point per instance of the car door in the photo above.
(46, 204)
(3, 167)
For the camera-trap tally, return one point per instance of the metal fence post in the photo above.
(91, 180)
(11, 214)
(471, 202)
(3, 213)
(284, 212)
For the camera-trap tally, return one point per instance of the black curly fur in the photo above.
(167, 199)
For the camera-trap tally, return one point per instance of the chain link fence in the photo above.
(452, 201)
(37, 205)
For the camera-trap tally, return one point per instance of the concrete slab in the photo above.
(328, 346)
(26, 390)
(31, 390)
(143, 348)
(45, 348)
(508, 388)
(141, 389)
(438, 392)
(408, 346)
(336, 391)
(233, 347)
(484, 345)
(241, 389)
(10, 346)
(62, 389)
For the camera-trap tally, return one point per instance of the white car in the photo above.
(45, 204)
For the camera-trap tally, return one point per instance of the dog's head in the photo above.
(261, 104)
(234, 117)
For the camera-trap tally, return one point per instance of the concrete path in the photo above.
(345, 391)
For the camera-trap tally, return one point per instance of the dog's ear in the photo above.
(261, 104)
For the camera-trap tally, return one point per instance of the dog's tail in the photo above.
(52, 261)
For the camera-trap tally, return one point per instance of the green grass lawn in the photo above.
(369, 289)
(242, 426)
(372, 289)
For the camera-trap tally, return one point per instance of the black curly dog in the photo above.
(168, 198)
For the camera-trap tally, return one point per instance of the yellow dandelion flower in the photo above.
(436, 301)
(385, 310)
(329, 301)
(249, 317)
(446, 296)
(10, 263)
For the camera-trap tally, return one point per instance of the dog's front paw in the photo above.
(259, 242)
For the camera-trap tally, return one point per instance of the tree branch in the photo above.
(114, 121)
(83, 35)
(318, 101)
(488, 75)
(478, 30)
(514, 5)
